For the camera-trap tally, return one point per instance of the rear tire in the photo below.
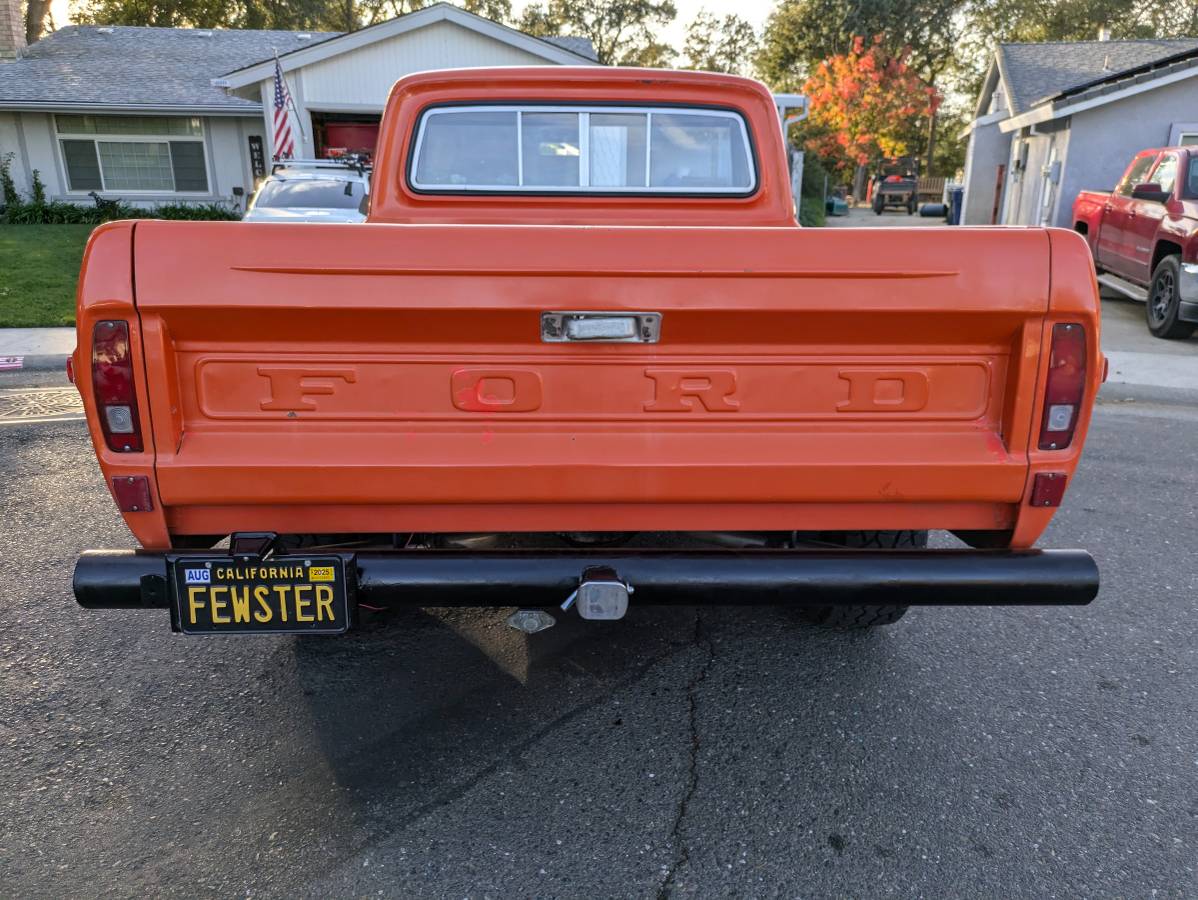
(848, 617)
(864, 616)
(1164, 302)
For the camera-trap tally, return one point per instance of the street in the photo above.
(999, 752)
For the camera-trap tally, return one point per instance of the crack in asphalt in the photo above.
(510, 755)
(682, 854)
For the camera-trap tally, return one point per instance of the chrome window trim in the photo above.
(584, 112)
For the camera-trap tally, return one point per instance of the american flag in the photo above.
(284, 143)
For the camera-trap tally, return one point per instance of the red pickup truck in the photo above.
(1144, 236)
(581, 354)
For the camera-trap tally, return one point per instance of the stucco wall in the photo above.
(988, 149)
(1031, 196)
(32, 140)
(1105, 138)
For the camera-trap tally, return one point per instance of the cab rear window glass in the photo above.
(609, 149)
(1192, 178)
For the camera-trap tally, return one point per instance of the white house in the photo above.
(154, 115)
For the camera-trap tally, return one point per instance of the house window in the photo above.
(1187, 139)
(150, 154)
(606, 149)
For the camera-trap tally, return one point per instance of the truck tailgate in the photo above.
(393, 377)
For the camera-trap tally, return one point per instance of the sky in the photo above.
(755, 11)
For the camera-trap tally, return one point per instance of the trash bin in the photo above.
(955, 197)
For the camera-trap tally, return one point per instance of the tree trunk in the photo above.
(35, 20)
(931, 144)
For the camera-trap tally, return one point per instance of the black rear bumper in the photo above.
(127, 579)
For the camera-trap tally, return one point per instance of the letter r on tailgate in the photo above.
(676, 390)
(290, 386)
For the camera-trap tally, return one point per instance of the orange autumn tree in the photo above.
(867, 103)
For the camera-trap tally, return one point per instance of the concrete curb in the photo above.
(40, 363)
(30, 342)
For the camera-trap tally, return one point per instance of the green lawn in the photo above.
(38, 268)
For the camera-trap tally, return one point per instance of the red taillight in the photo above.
(1066, 386)
(112, 382)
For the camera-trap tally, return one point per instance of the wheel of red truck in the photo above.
(1164, 302)
(864, 616)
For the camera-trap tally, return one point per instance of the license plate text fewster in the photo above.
(228, 596)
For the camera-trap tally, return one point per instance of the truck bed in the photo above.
(392, 378)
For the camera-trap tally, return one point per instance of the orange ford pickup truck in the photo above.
(581, 354)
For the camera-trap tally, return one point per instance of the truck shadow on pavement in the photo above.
(450, 716)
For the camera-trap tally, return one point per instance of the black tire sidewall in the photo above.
(1169, 327)
(854, 617)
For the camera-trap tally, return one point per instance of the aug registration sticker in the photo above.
(278, 596)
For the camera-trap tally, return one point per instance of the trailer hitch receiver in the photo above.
(601, 595)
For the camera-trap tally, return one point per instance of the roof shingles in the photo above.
(1036, 72)
(158, 68)
(135, 66)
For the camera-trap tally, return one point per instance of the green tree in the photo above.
(156, 13)
(622, 31)
(495, 10)
(335, 15)
(323, 15)
(720, 45)
(800, 34)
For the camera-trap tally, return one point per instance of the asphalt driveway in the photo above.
(1000, 752)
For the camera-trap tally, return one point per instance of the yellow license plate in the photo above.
(222, 595)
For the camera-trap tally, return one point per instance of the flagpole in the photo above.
(299, 121)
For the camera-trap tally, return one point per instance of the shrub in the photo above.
(38, 195)
(7, 188)
(812, 213)
(195, 212)
(37, 210)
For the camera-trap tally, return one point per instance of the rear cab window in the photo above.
(593, 149)
(1135, 174)
(1191, 185)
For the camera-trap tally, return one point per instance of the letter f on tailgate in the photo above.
(290, 386)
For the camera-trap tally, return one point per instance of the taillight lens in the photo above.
(1066, 386)
(112, 382)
